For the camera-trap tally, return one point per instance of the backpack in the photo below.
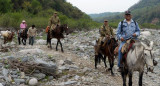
(122, 25)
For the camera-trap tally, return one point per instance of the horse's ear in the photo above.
(145, 46)
(151, 44)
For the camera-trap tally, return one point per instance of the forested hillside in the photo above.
(101, 16)
(38, 12)
(145, 12)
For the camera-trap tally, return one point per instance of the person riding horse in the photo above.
(127, 29)
(23, 26)
(53, 23)
(105, 32)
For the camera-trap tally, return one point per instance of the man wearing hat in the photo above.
(23, 26)
(54, 22)
(32, 32)
(127, 29)
(105, 31)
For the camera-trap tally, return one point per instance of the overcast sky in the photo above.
(100, 6)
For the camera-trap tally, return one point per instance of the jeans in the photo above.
(120, 53)
(31, 40)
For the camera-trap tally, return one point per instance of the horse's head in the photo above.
(66, 29)
(114, 43)
(148, 55)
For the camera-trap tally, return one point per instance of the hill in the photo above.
(101, 16)
(145, 12)
(38, 12)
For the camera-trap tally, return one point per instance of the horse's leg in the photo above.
(104, 59)
(130, 78)
(50, 43)
(96, 61)
(61, 45)
(140, 78)
(25, 41)
(124, 75)
(111, 64)
(57, 45)
(19, 40)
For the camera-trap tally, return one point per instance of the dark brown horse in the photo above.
(58, 34)
(22, 35)
(107, 50)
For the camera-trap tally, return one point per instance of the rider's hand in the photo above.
(122, 39)
(107, 36)
(134, 35)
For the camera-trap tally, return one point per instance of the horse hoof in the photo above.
(109, 68)
(112, 74)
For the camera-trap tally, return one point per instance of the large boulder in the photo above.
(47, 67)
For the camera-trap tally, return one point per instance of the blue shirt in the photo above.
(128, 30)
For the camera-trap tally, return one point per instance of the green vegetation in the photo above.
(101, 16)
(38, 12)
(145, 12)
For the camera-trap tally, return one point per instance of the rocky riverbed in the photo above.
(73, 67)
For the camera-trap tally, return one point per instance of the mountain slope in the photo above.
(101, 16)
(145, 11)
(38, 12)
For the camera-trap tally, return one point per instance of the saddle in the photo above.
(126, 47)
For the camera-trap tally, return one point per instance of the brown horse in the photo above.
(22, 35)
(58, 34)
(107, 50)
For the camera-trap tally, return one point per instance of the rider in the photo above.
(127, 29)
(54, 22)
(23, 26)
(105, 31)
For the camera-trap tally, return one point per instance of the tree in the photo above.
(5, 6)
(36, 6)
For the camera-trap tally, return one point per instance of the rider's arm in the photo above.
(111, 29)
(137, 31)
(119, 31)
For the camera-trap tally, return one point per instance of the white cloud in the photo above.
(99, 6)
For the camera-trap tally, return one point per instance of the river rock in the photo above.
(33, 82)
(39, 76)
(41, 42)
(49, 67)
(31, 51)
(19, 80)
(1, 84)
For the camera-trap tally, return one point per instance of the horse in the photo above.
(58, 34)
(8, 36)
(138, 56)
(22, 35)
(107, 50)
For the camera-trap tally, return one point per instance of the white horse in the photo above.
(139, 55)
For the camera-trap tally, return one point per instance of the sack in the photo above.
(47, 29)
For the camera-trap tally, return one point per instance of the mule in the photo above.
(58, 34)
(106, 51)
(138, 56)
(7, 35)
(22, 37)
